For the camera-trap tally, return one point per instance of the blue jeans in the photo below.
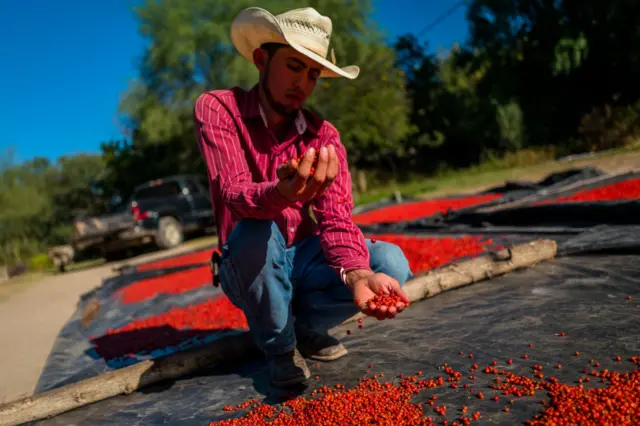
(276, 286)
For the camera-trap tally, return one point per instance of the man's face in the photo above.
(288, 79)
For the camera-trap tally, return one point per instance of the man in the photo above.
(284, 268)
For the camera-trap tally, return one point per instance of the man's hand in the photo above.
(295, 180)
(365, 286)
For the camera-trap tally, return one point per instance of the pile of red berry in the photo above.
(390, 403)
(369, 403)
(382, 299)
(174, 283)
(299, 159)
(170, 328)
(626, 190)
(428, 253)
(420, 209)
(194, 258)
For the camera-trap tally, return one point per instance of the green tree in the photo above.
(558, 59)
(40, 198)
(189, 52)
(455, 125)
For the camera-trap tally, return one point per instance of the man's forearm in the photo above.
(254, 200)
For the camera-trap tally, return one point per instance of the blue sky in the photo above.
(66, 63)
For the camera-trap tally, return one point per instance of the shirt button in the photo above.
(292, 229)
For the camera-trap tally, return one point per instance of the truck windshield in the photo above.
(163, 190)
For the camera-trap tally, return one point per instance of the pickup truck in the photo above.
(158, 212)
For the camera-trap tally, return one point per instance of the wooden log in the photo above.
(234, 348)
(480, 268)
(124, 380)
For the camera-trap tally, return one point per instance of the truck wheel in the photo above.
(169, 233)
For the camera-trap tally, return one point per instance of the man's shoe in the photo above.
(288, 369)
(319, 346)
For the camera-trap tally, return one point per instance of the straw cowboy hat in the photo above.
(305, 30)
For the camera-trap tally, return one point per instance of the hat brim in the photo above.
(255, 26)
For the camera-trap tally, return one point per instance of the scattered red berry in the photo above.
(194, 258)
(174, 283)
(625, 190)
(420, 209)
(170, 328)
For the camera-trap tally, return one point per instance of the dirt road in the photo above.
(31, 319)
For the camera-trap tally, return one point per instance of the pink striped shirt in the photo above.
(242, 156)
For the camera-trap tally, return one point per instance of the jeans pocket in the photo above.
(229, 281)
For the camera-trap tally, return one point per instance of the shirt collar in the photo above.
(301, 122)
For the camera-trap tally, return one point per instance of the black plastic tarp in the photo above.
(582, 296)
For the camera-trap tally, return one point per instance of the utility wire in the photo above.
(441, 18)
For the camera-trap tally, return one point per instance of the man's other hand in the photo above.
(298, 183)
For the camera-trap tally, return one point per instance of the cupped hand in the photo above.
(368, 287)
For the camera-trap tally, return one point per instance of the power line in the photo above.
(441, 18)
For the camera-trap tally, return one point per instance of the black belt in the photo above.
(216, 261)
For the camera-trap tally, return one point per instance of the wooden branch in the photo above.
(233, 348)
(478, 269)
(124, 380)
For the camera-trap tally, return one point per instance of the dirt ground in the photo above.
(31, 319)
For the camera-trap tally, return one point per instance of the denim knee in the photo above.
(252, 235)
(389, 259)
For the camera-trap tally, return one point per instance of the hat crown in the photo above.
(309, 27)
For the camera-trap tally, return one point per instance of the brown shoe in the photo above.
(319, 346)
(288, 369)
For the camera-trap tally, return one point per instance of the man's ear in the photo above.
(260, 59)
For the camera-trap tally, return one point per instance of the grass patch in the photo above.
(523, 165)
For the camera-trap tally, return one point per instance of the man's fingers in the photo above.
(321, 168)
(333, 165)
(304, 170)
(316, 181)
(398, 290)
(331, 171)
